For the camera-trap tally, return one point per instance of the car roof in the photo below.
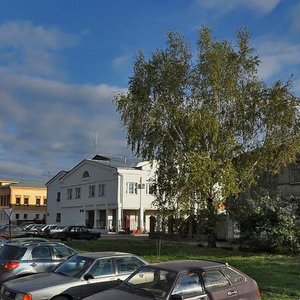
(105, 254)
(33, 243)
(189, 265)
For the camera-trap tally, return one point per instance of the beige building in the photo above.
(27, 199)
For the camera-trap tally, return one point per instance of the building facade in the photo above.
(105, 193)
(26, 201)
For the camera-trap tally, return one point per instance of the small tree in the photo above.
(208, 120)
(267, 220)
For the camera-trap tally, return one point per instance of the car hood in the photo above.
(40, 281)
(118, 293)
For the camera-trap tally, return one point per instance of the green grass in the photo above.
(277, 276)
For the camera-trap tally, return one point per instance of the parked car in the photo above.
(11, 231)
(188, 279)
(76, 278)
(76, 232)
(20, 259)
(46, 229)
(34, 230)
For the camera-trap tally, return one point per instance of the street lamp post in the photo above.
(8, 211)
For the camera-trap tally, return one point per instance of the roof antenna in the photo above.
(95, 143)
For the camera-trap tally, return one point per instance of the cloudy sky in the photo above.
(62, 62)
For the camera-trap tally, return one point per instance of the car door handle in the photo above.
(33, 265)
(231, 293)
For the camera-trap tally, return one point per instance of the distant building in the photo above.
(106, 193)
(27, 199)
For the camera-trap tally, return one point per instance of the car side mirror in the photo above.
(88, 276)
(119, 281)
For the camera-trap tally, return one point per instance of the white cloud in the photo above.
(31, 49)
(260, 6)
(277, 56)
(43, 121)
(121, 61)
(294, 16)
(24, 34)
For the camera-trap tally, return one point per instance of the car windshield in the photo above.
(75, 266)
(155, 282)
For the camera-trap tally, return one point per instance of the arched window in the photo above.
(85, 174)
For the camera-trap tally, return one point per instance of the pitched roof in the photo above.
(25, 183)
(117, 161)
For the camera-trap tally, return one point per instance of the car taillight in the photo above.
(27, 297)
(10, 265)
(258, 294)
(23, 297)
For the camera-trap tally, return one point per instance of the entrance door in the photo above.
(90, 219)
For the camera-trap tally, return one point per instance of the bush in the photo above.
(267, 223)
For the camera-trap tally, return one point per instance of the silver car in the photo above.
(78, 277)
(18, 259)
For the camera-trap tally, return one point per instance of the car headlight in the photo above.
(21, 296)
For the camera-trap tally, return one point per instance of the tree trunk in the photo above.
(211, 238)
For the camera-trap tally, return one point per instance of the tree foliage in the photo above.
(267, 220)
(207, 119)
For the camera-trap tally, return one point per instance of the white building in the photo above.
(104, 193)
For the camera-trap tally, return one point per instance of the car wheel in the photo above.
(60, 298)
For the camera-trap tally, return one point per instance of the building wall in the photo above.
(15, 196)
(105, 211)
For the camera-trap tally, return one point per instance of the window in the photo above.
(58, 217)
(45, 201)
(214, 280)
(17, 216)
(127, 264)
(18, 200)
(41, 253)
(37, 201)
(131, 187)
(188, 284)
(234, 277)
(25, 216)
(85, 174)
(60, 252)
(102, 190)
(77, 192)
(91, 191)
(37, 216)
(58, 197)
(150, 188)
(103, 267)
(26, 200)
(70, 191)
(295, 174)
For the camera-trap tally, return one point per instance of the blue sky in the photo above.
(62, 62)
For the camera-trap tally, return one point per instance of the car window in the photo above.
(75, 266)
(188, 284)
(41, 252)
(127, 264)
(214, 280)
(12, 252)
(234, 277)
(102, 267)
(159, 282)
(60, 252)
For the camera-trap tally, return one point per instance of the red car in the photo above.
(187, 279)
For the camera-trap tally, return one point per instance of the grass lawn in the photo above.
(278, 276)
